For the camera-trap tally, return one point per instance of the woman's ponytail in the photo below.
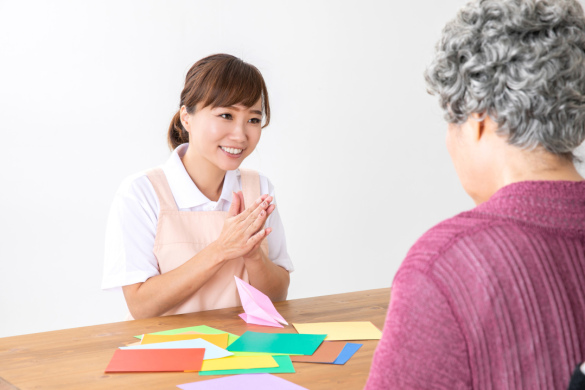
(177, 134)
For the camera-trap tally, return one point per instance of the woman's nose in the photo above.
(238, 131)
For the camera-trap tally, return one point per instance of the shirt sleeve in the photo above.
(130, 234)
(422, 346)
(277, 251)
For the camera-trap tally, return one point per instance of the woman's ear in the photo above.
(185, 118)
(477, 126)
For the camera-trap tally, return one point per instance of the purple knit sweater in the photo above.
(493, 298)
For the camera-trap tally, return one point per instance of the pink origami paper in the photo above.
(257, 306)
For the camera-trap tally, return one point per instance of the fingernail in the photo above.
(262, 213)
(264, 204)
(259, 200)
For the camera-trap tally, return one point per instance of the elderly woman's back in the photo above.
(494, 298)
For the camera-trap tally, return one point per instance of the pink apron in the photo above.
(182, 234)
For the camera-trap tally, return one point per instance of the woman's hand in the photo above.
(243, 230)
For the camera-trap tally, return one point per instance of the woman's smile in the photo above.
(232, 152)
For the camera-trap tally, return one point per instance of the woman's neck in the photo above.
(206, 176)
(538, 165)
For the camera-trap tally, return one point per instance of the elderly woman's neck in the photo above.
(530, 165)
(515, 165)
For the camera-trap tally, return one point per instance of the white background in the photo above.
(87, 90)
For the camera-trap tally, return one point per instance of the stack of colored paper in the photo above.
(216, 360)
(212, 351)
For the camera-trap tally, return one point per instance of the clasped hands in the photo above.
(243, 231)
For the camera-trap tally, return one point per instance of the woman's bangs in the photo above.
(239, 85)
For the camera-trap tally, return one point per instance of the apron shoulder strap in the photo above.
(162, 189)
(250, 186)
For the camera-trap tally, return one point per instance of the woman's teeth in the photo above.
(232, 150)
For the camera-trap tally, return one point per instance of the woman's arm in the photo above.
(160, 293)
(422, 346)
(240, 234)
(271, 279)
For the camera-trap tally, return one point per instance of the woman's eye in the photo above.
(255, 120)
(226, 116)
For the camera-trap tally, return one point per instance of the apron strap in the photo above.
(250, 186)
(162, 189)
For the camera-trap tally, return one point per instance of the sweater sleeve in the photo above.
(422, 346)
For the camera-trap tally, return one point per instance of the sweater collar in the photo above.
(553, 204)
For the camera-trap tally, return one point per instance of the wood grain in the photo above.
(76, 358)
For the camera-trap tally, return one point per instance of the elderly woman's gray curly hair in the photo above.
(522, 62)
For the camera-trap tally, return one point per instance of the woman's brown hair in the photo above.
(220, 80)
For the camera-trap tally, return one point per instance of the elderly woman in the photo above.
(494, 298)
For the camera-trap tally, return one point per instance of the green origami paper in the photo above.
(287, 343)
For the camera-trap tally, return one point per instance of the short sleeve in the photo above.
(277, 251)
(422, 346)
(130, 233)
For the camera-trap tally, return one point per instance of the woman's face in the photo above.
(224, 136)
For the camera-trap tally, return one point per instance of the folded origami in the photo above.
(257, 306)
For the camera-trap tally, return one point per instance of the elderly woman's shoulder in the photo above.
(443, 236)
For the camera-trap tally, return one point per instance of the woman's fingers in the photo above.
(242, 204)
(253, 207)
(257, 224)
(243, 229)
(267, 231)
(257, 238)
(259, 212)
(235, 206)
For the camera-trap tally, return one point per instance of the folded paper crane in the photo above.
(257, 306)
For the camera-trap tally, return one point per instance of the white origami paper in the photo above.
(257, 306)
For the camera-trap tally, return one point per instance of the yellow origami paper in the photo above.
(238, 363)
(221, 340)
(341, 330)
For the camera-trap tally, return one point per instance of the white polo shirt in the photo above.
(133, 217)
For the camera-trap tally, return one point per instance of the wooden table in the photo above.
(76, 358)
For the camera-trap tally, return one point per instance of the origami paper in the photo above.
(221, 340)
(238, 363)
(347, 353)
(199, 329)
(156, 360)
(288, 343)
(243, 382)
(327, 352)
(341, 330)
(257, 306)
(212, 351)
(285, 366)
(204, 329)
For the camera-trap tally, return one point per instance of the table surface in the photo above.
(76, 358)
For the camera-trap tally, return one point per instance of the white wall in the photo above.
(87, 89)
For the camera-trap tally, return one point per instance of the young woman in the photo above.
(178, 234)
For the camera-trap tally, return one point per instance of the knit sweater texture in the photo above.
(493, 298)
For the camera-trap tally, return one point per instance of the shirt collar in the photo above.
(185, 192)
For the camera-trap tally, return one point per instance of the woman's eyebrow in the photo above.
(239, 108)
